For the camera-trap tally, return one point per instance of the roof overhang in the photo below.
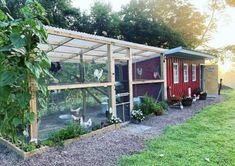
(189, 54)
(67, 46)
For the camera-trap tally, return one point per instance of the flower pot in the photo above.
(158, 113)
(203, 96)
(187, 102)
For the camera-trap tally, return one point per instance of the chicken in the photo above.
(85, 124)
(76, 111)
(98, 74)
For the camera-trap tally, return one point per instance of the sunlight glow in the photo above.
(226, 66)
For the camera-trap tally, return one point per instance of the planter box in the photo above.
(203, 96)
(41, 150)
(187, 102)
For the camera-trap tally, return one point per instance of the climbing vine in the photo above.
(21, 62)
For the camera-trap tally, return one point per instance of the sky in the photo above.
(223, 36)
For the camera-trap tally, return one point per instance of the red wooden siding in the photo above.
(180, 89)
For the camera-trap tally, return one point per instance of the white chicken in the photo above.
(76, 111)
(139, 71)
(85, 124)
(98, 73)
(75, 118)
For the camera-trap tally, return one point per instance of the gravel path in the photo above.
(104, 149)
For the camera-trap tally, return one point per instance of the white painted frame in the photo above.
(186, 75)
(175, 77)
(194, 67)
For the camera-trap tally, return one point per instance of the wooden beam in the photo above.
(130, 78)
(33, 108)
(60, 44)
(84, 51)
(112, 79)
(162, 76)
(78, 86)
(69, 34)
(165, 76)
(119, 50)
(96, 98)
(147, 82)
(139, 52)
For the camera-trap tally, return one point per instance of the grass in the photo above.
(206, 139)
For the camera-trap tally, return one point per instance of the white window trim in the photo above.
(194, 65)
(185, 64)
(176, 81)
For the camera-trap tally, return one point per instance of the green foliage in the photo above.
(137, 114)
(72, 131)
(21, 62)
(164, 104)
(96, 127)
(30, 147)
(149, 106)
(209, 135)
(114, 120)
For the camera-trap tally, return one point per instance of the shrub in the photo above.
(164, 104)
(150, 106)
(137, 115)
(158, 109)
(72, 131)
(114, 120)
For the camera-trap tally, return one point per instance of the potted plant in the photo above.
(164, 104)
(203, 96)
(158, 109)
(187, 101)
(137, 116)
(174, 100)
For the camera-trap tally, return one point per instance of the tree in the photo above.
(137, 26)
(104, 22)
(183, 17)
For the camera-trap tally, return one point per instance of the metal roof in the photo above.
(67, 46)
(186, 53)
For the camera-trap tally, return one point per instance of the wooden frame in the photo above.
(78, 86)
(112, 79)
(147, 82)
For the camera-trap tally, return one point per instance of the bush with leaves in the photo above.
(137, 114)
(21, 62)
(150, 106)
(72, 131)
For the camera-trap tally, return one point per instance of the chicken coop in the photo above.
(94, 77)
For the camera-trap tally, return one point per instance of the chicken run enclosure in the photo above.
(93, 77)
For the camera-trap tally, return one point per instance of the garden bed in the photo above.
(43, 149)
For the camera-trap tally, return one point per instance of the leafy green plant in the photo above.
(150, 106)
(96, 127)
(164, 104)
(72, 131)
(22, 65)
(137, 114)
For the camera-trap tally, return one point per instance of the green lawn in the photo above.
(206, 139)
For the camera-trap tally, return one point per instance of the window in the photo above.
(176, 73)
(194, 72)
(185, 72)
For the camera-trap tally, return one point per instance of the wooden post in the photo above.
(163, 77)
(33, 108)
(82, 79)
(111, 64)
(130, 78)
